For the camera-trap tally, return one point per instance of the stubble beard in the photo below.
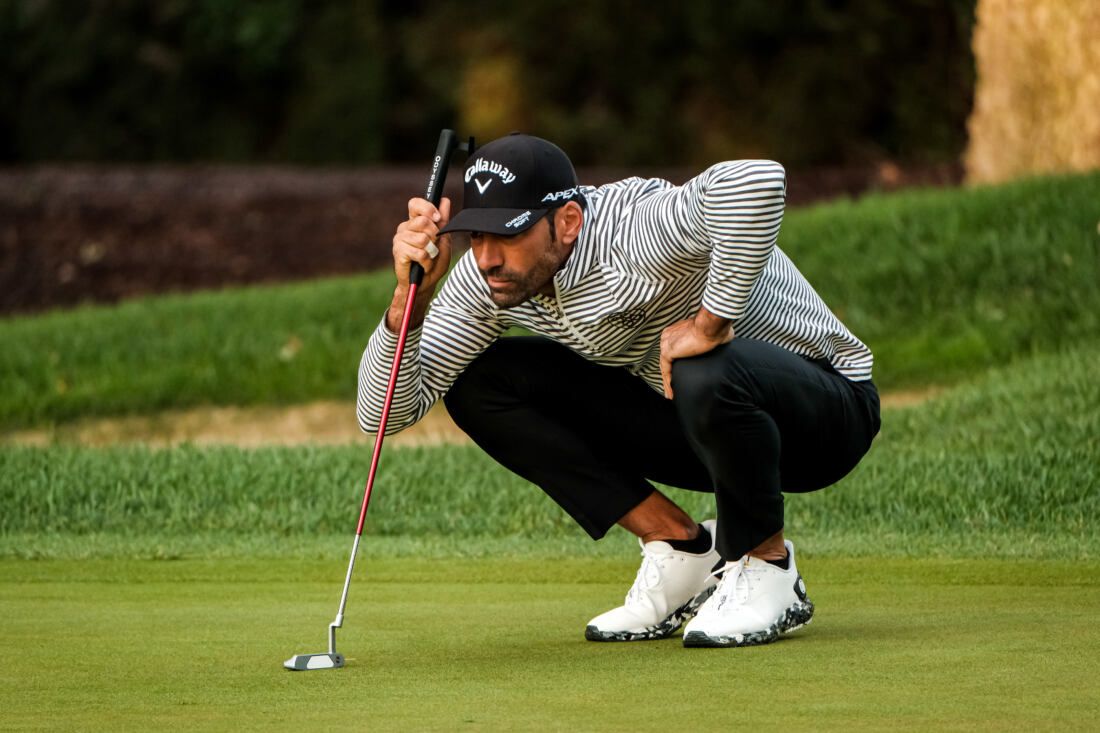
(522, 286)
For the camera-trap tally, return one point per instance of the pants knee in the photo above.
(500, 372)
(466, 397)
(711, 387)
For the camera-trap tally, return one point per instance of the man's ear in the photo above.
(569, 219)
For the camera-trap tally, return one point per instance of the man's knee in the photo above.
(481, 376)
(709, 387)
(503, 370)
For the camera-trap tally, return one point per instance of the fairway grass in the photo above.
(494, 645)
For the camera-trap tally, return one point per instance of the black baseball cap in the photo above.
(511, 183)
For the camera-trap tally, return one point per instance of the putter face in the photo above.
(307, 662)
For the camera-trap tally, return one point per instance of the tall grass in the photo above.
(939, 283)
(1015, 454)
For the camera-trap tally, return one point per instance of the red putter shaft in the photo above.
(401, 337)
(448, 144)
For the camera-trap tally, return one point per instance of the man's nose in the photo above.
(488, 254)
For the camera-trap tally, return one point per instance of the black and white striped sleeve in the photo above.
(729, 214)
(458, 327)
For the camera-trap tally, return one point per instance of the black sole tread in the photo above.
(793, 618)
(662, 630)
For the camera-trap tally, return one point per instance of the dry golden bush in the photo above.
(1037, 102)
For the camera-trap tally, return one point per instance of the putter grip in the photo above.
(448, 141)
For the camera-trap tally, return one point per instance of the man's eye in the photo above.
(475, 235)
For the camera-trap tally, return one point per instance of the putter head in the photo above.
(307, 662)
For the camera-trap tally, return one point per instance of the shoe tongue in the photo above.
(656, 547)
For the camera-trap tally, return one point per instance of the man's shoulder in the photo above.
(630, 185)
(744, 168)
(608, 198)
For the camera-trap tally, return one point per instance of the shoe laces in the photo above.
(734, 582)
(649, 576)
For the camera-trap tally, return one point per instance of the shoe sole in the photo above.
(663, 630)
(795, 617)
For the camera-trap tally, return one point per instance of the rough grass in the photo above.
(498, 645)
(1007, 465)
(249, 346)
(941, 284)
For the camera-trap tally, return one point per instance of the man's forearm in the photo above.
(397, 308)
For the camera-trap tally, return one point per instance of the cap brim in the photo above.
(494, 221)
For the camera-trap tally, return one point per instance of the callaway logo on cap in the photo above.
(511, 183)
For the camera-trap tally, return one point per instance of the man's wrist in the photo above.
(396, 311)
(710, 325)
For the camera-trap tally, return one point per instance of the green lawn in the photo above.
(498, 645)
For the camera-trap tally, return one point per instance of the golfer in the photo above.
(675, 342)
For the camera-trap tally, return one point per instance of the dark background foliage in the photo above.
(808, 82)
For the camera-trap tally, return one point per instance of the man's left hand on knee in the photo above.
(691, 337)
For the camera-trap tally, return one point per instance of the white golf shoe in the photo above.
(754, 603)
(668, 589)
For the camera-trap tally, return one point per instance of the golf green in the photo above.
(498, 645)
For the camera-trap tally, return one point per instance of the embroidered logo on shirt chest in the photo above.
(626, 319)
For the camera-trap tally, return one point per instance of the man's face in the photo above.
(517, 267)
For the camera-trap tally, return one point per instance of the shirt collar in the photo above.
(583, 255)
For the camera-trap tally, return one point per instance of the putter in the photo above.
(448, 144)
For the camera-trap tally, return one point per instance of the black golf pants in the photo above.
(748, 421)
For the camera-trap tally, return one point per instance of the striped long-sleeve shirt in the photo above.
(649, 254)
